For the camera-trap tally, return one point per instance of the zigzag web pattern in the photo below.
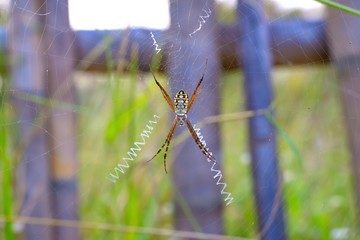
(120, 167)
(228, 199)
(202, 20)
(157, 49)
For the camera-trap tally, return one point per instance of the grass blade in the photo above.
(340, 7)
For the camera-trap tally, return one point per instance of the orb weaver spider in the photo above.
(181, 108)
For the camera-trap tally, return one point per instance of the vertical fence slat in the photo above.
(253, 49)
(344, 32)
(59, 51)
(195, 186)
(27, 78)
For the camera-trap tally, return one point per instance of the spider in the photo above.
(181, 108)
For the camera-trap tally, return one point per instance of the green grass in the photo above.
(6, 198)
(114, 109)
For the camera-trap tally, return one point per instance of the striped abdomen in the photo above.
(181, 101)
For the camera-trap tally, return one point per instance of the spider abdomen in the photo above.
(181, 101)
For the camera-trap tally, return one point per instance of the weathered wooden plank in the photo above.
(344, 32)
(254, 50)
(59, 53)
(193, 180)
(27, 77)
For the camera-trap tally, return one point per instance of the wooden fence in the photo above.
(251, 43)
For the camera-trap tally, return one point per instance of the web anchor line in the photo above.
(120, 167)
(31, 12)
(218, 174)
(157, 49)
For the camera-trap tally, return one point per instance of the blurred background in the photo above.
(279, 109)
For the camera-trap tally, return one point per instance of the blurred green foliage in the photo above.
(318, 193)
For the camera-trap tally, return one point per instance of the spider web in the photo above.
(312, 140)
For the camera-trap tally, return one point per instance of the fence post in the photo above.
(198, 202)
(253, 49)
(59, 51)
(27, 82)
(344, 32)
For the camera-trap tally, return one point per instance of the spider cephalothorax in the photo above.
(181, 107)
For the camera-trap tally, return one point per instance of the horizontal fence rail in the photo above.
(291, 42)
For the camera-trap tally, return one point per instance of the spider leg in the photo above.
(198, 142)
(164, 93)
(171, 134)
(196, 92)
(167, 142)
